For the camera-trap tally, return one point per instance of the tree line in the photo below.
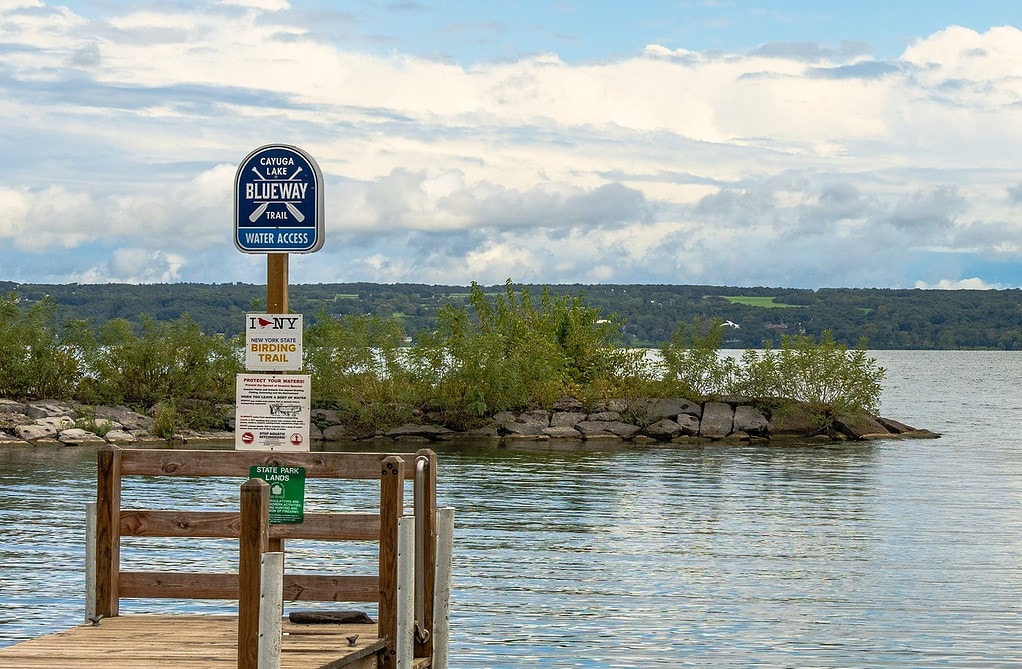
(647, 315)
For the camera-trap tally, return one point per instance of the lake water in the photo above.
(882, 554)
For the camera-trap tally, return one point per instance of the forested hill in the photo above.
(910, 319)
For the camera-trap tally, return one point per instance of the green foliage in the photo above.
(87, 421)
(511, 353)
(166, 361)
(692, 365)
(489, 352)
(34, 363)
(824, 375)
(357, 366)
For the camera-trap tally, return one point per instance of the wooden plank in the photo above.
(392, 476)
(254, 541)
(227, 525)
(162, 462)
(108, 539)
(297, 587)
(187, 642)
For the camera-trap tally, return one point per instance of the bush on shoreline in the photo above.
(506, 352)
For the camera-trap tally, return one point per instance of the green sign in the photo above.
(287, 492)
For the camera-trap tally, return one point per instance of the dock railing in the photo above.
(411, 587)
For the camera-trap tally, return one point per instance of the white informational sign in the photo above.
(272, 412)
(273, 342)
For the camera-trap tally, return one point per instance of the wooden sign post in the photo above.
(276, 283)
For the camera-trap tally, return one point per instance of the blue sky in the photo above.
(767, 143)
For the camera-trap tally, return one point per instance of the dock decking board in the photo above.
(188, 642)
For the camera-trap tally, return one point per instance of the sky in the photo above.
(779, 143)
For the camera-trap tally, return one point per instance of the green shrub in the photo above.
(512, 353)
(34, 362)
(693, 366)
(357, 367)
(824, 375)
(167, 361)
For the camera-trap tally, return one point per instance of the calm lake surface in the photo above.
(886, 554)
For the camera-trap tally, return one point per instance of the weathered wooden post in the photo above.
(108, 531)
(392, 485)
(254, 541)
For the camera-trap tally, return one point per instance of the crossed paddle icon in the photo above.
(299, 216)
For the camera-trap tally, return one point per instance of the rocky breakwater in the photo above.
(642, 421)
(70, 424)
(647, 421)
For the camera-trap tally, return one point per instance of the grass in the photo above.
(758, 301)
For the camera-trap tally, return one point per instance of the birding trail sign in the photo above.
(278, 201)
(273, 342)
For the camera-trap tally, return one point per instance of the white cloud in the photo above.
(794, 164)
(975, 283)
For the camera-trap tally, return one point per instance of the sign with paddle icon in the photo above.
(278, 201)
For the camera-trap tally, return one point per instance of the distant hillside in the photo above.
(889, 319)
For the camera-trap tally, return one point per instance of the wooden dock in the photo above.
(411, 588)
(191, 642)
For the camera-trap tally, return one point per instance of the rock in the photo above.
(125, 417)
(894, 426)
(120, 437)
(326, 416)
(427, 432)
(562, 432)
(597, 429)
(77, 436)
(44, 428)
(569, 404)
(649, 410)
(859, 427)
(12, 407)
(335, 433)
(528, 423)
(751, 420)
(605, 416)
(664, 430)
(718, 420)
(566, 419)
(689, 424)
(48, 409)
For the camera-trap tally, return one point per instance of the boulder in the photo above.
(124, 417)
(10, 406)
(48, 409)
(718, 420)
(120, 437)
(751, 420)
(664, 430)
(412, 431)
(569, 404)
(335, 433)
(529, 423)
(649, 410)
(77, 436)
(861, 426)
(566, 419)
(562, 432)
(326, 416)
(44, 428)
(597, 429)
(689, 424)
(605, 416)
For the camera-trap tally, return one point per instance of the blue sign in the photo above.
(278, 202)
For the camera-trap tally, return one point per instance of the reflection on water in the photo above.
(883, 554)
